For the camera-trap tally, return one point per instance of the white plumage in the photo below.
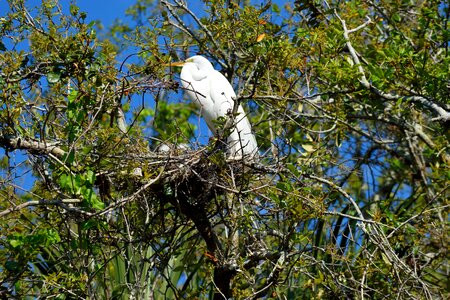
(214, 95)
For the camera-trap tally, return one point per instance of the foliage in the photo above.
(349, 199)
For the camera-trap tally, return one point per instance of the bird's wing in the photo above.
(241, 139)
(195, 89)
(222, 94)
(198, 92)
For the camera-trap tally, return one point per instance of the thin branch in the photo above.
(130, 198)
(441, 112)
(340, 190)
(40, 203)
(414, 217)
(336, 213)
(368, 21)
(178, 19)
(204, 28)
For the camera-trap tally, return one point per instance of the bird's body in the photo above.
(215, 97)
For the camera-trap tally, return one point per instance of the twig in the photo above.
(40, 202)
(340, 190)
(182, 24)
(336, 213)
(130, 198)
(185, 28)
(414, 217)
(204, 28)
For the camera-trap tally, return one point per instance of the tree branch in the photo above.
(182, 26)
(441, 112)
(203, 27)
(23, 144)
(342, 191)
(41, 202)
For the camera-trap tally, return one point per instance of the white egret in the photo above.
(215, 97)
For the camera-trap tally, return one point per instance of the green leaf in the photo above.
(275, 8)
(284, 186)
(74, 10)
(308, 148)
(396, 18)
(89, 224)
(72, 95)
(53, 77)
(386, 259)
(70, 157)
(70, 183)
(64, 181)
(90, 177)
(293, 169)
(53, 237)
(91, 199)
(15, 243)
(338, 139)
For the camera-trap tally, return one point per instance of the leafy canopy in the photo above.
(112, 188)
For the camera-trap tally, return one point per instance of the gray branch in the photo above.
(24, 144)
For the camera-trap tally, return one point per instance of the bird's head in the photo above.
(200, 62)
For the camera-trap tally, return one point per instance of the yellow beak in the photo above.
(176, 64)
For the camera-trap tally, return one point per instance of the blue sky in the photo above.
(104, 10)
(108, 10)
